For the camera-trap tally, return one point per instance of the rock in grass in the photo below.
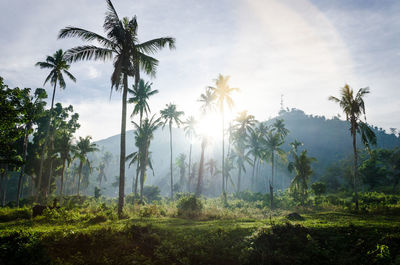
(295, 217)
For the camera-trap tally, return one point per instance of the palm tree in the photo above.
(102, 174)
(33, 107)
(302, 166)
(354, 108)
(140, 96)
(143, 135)
(170, 115)
(181, 164)
(208, 104)
(273, 141)
(279, 127)
(222, 93)
(189, 129)
(58, 65)
(83, 148)
(141, 93)
(66, 148)
(241, 128)
(130, 57)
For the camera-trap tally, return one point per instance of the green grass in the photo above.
(240, 234)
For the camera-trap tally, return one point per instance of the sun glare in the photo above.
(210, 126)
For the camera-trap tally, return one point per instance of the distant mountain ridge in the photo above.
(328, 140)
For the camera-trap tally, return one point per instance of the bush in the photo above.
(189, 206)
(7, 214)
(318, 188)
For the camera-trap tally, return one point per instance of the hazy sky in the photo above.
(305, 50)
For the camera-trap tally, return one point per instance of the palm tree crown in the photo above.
(140, 96)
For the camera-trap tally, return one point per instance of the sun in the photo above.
(210, 126)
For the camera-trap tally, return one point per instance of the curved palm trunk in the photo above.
(355, 168)
(123, 146)
(21, 173)
(190, 160)
(170, 147)
(201, 168)
(271, 183)
(45, 144)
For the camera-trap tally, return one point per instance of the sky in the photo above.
(305, 50)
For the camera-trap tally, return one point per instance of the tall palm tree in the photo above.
(222, 93)
(66, 149)
(273, 141)
(83, 148)
(302, 166)
(58, 65)
(141, 93)
(143, 135)
(354, 108)
(181, 164)
(130, 58)
(171, 115)
(208, 104)
(189, 129)
(243, 125)
(33, 107)
(279, 127)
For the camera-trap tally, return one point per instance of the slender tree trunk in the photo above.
(190, 161)
(62, 179)
(252, 173)
(223, 151)
(21, 172)
(143, 172)
(49, 180)
(355, 169)
(271, 183)
(239, 175)
(4, 193)
(45, 144)
(1, 182)
(135, 181)
(123, 146)
(79, 176)
(170, 147)
(201, 168)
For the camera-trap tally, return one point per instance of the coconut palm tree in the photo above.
(83, 148)
(181, 164)
(354, 108)
(243, 125)
(33, 107)
(189, 129)
(143, 136)
(130, 58)
(279, 127)
(222, 94)
(171, 115)
(141, 93)
(58, 65)
(66, 150)
(273, 141)
(302, 167)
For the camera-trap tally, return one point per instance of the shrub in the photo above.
(189, 206)
(318, 188)
(7, 214)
